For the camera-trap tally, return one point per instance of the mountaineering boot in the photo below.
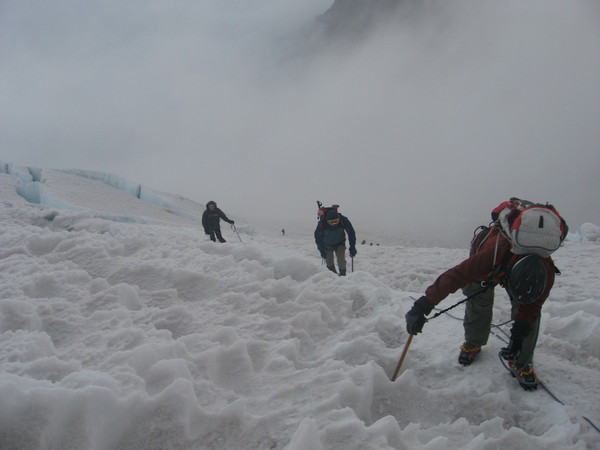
(332, 268)
(342, 272)
(468, 353)
(526, 376)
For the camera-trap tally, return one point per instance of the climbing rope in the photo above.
(505, 339)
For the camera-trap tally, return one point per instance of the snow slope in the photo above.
(123, 327)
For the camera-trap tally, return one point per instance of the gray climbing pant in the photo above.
(478, 321)
(340, 255)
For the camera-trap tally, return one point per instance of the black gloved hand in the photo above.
(352, 251)
(232, 222)
(415, 318)
(322, 252)
(518, 333)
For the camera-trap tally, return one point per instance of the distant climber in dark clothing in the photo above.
(211, 221)
(330, 237)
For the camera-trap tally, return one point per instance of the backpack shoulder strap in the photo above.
(499, 269)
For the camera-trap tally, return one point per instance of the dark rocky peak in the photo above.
(355, 18)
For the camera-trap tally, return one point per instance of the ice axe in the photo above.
(404, 352)
(485, 286)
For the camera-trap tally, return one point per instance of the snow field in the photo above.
(119, 335)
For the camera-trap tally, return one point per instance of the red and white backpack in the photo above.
(323, 210)
(532, 228)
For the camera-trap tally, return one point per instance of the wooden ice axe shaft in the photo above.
(404, 352)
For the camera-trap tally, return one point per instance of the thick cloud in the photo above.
(423, 124)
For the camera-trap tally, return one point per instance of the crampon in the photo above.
(468, 353)
(525, 375)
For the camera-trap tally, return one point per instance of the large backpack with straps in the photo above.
(480, 235)
(323, 210)
(532, 228)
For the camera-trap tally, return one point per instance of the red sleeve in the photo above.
(476, 268)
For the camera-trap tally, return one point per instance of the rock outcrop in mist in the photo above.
(354, 18)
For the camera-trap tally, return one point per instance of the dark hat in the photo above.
(527, 278)
(332, 214)
(211, 203)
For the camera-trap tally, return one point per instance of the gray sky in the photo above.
(423, 128)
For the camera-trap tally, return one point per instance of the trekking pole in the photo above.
(404, 352)
(235, 230)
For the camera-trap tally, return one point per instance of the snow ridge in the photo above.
(143, 334)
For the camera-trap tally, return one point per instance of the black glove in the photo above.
(518, 333)
(232, 222)
(323, 255)
(353, 251)
(206, 231)
(415, 318)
